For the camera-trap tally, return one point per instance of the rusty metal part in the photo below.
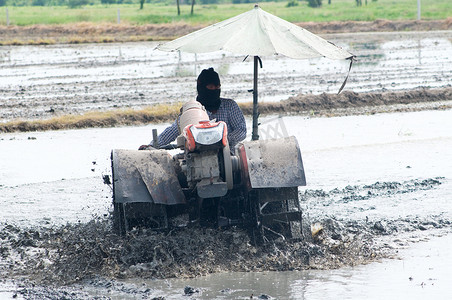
(207, 189)
(145, 176)
(278, 213)
(273, 163)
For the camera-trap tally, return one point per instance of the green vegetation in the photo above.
(314, 3)
(338, 10)
(292, 3)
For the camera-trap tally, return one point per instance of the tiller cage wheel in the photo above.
(277, 214)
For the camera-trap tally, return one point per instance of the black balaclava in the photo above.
(209, 98)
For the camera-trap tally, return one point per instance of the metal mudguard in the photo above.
(272, 163)
(145, 176)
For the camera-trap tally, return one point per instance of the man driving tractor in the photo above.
(218, 109)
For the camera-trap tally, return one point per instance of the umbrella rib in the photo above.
(288, 29)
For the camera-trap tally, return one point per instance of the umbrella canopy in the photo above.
(257, 33)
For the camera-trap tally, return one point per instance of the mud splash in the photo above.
(365, 192)
(87, 252)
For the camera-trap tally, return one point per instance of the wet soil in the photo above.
(398, 71)
(91, 254)
(46, 260)
(101, 33)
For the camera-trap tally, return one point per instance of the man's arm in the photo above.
(237, 125)
(169, 134)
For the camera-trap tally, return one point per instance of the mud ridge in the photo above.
(85, 32)
(366, 192)
(346, 103)
(75, 252)
(349, 102)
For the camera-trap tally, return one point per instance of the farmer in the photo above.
(220, 109)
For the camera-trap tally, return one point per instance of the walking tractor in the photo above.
(254, 185)
(200, 181)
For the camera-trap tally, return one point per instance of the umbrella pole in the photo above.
(255, 134)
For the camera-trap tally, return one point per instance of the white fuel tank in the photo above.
(192, 113)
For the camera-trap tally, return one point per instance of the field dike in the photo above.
(85, 32)
(90, 254)
(329, 105)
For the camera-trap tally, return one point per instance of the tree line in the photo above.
(139, 2)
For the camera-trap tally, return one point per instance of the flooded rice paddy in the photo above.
(391, 170)
(383, 177)
(44, 81)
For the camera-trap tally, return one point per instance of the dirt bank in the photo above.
(350, 103)
(346, 103)
(107, 32)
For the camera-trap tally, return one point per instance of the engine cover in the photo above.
(272, 163)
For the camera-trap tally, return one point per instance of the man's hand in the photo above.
(145, 147)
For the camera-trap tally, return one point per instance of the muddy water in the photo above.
(422, 273)
(392, 171)
(388, 169)
(44, 81)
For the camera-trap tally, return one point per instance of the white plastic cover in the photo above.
(257, 33)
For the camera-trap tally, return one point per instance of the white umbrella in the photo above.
(257, 33)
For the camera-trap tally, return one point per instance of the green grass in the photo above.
(339, 10)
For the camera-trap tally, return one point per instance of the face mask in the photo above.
(209, 98)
